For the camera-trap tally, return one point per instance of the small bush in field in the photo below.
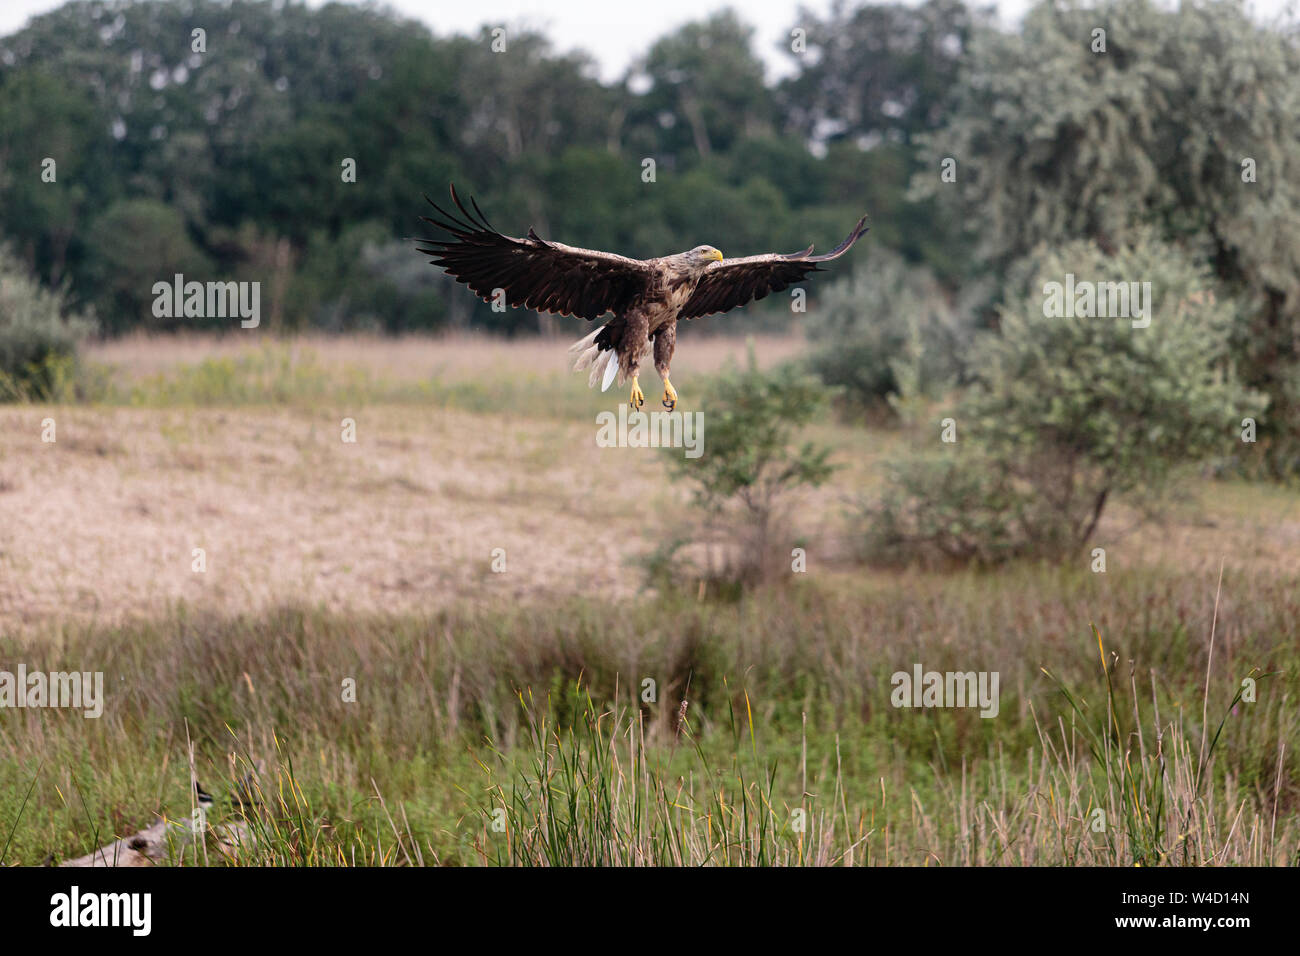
(1068, 412)
(940, 506)
(39, 336)
(887, 328)
(750, 469)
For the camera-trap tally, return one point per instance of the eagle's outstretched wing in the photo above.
(733, 282)
(535, 273)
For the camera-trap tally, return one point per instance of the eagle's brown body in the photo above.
(650, 321)
(645, 296)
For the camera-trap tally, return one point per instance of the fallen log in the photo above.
(167, 841)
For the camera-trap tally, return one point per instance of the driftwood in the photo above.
(166, 839)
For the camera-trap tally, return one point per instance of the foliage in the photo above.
(125, 272)
(877, 70)
(1066, 413)
(750, 470)
(39, 335)
(1184, 123)
(887, 325)
(245, 145)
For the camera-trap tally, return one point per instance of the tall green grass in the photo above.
(537, 712)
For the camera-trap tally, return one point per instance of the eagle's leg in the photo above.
(665, 343)
(633, 345)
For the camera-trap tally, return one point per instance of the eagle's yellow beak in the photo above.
(717, 254)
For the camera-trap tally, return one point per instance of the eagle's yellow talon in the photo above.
(638, 396)
(670, 395)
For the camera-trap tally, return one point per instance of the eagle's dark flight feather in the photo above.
(734, 282)
(534, 272)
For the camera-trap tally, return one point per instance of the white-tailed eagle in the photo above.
(646, 297)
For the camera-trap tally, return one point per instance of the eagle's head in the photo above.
(701, 256)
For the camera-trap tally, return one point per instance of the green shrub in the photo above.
(887, 327)
(138, 243)
(750, 471)
(941, 507)
(39, 336)
(1066, 413)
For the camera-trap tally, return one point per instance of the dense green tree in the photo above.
(875, 72)
(124, 273)
(53, 147)
(1092, 122)
(706, 91)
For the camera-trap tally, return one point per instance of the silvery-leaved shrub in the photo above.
(887, 331)
(1065, 413)
(39, 336)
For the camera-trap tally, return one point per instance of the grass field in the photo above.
(503, 715)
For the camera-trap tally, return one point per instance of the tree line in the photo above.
(293, 145)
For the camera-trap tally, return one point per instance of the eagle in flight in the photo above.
(646, 297)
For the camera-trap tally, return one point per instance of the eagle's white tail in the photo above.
(603, 365)
(611, 369)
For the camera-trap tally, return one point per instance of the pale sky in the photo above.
(613, 31)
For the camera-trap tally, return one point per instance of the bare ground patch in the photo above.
(103, 522)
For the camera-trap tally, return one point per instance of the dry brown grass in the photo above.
(105, 519)
(102, 523)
